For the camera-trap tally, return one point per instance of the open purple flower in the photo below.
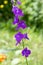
(17, 11)
(19, 36)
(26, 52)
(21, 24)
(16, 20)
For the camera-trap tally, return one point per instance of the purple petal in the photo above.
(17, 43)
(23, 51)
(16, 20)
(17, 11)
(21, 24)
(18, 2)
(26, 52)
(25, 36)
(18, 37)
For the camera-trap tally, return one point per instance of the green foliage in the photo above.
(5, 10)
(35, 43)
(33, 10)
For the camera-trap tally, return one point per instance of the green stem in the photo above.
(26, 61)
(23, 44)
(23, 48)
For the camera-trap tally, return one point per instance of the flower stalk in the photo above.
(26, 61)
(21, 24)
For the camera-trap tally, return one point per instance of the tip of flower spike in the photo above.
(18, 2)
(12, 1)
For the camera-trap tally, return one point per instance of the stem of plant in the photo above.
(23, 44)
(26, 61)
(25, 57)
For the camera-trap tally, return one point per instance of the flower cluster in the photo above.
(21, 24)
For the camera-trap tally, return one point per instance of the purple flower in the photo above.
(21, 24)
(17, 11)
(16, 20)
(26, 52)
(18, 2)
(19, 36)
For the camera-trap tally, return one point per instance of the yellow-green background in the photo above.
(33, 15)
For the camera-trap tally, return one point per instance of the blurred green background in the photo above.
(33, 15)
